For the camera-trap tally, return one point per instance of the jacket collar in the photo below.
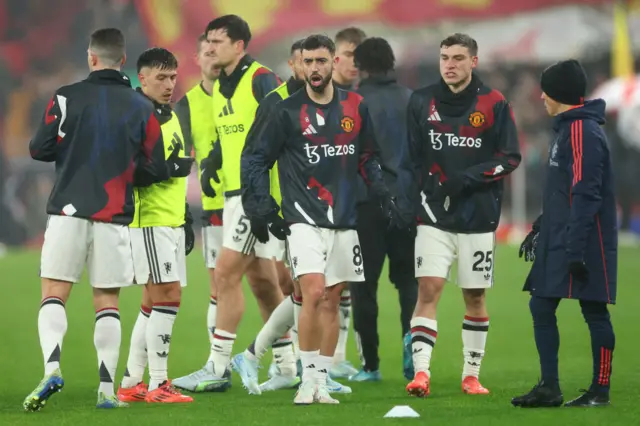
(163, 112)
(108, 76)
(229, 83)
(379, 79)
(293, 85)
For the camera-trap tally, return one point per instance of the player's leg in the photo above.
(401, 251)
(61, 265)
(435, 251)
(475, 275)
(603, 341)
(110, 268)
(545, 330)
(132, 388)
(212, 243)
(372, 237)
(285, 281)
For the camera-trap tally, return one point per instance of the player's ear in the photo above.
(474, 61)
(336, 59)
(124, 60)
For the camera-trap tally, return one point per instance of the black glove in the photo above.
(209, 169)
(579, 271)
(528, 246)
(189, 235)
(179, 166)
(261, 225)
(396, 219)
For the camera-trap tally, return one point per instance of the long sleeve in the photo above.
(410, 162)
(255, 164)
(586, 169)
(264, 81)
(151, 165)
(183, 111)
(44, 145)
(507, 155)
(369, 155)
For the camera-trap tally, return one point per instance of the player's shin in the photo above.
(159, 331)
(424, 332)
(297, 306)
(211, 317)
(309, 327)
(52, 326)
(330, 322)
(344, 323)
(137, 361)
(474, 339)
(107, 337)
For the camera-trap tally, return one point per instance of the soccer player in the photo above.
(344, 77)
(194, 111)
(387, 101)
(321, 137)
(103, 138)
(574, 243)
(158, 244)
(463, 142)
(242, 84)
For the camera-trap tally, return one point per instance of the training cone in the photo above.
(402, 411)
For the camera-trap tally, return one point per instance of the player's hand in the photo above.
(279, 228)
(179, 166)
(579, 271)
(528, 247)
(189, 235)
(208, 172)
(396, 219)
(262, 225)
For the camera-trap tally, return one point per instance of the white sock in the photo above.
(279, 322)
(107, 336)
(137, 361)
(297, 305)
(309, 361)
(284, 357)
(221, 351)
(159, 330)
(324, 365)
(52, 326)
(340, 354)
(423, 337)
(474, 339)
(211, 318)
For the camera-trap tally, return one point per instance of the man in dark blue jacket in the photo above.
(574, 243)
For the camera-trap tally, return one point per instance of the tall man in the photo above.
(159, 243)
(242, 84)
(574, 243)
(344, 76)
(321, 137)
(387, 101)
(463, 142)
(103, 138)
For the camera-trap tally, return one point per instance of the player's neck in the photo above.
(102, 68)
(321, 98)
(233, 65)
(207, 85)
(460, 87)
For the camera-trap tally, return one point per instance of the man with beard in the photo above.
(322, 138)
(463, 142)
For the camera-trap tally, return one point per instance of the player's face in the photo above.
(205, 61)
(345, 67)
(158, 84)
(456, 64)
(550, 105)
(222, 49)
(318, 66)
(295, 64)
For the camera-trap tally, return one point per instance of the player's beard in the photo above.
(320, 88)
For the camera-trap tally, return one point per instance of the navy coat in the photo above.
(578, 221)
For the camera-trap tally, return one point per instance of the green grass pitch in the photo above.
(510, 366)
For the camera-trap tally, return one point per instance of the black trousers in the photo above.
(377, 242)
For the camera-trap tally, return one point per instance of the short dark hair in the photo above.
(235, 27)
(464, 40)
(374, 56)
(202, 37)
(108, 44)
(297, 45)
(319, 41)
(157, 57)
(351, 35)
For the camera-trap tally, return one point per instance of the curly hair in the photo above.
(374, 56)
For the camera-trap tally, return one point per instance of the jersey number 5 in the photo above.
(243, 225)
(484, 261)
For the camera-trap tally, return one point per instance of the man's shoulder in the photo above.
(493, 96)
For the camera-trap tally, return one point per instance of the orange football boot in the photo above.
(166, 394)
(137, 393)
(420, 385)
(471, 386)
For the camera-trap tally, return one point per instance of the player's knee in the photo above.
(56, 288)
(474, 297)
(594, 312)
(167, 292)
(313, 292)
(105, 298)
(429, 290)
(543, 310)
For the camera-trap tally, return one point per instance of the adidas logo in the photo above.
(227, 109)
(310, 130)
(359, 271)
(487, 276)
(236, 238)
(434, 116)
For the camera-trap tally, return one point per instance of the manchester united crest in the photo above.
(476, 119)
(347, 124)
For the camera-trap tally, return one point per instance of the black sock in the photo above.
(545, 330)
(603, 341)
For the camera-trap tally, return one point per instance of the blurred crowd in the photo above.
(42, 48)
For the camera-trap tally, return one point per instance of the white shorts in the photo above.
(436, 250)
(70, 243)
(159, 255)
(334, 253)
(237, 234)
(211, 244)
